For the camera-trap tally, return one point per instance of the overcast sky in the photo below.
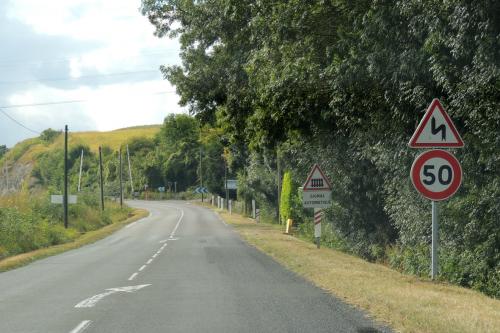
(101, 53)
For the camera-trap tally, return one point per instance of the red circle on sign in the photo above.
(450, 160)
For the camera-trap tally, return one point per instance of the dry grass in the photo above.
(113, 139)
(406, 303)
(87, 238)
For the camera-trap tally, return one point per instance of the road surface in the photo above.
(179, 270)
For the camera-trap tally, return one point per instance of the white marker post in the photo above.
(318, 216)
(253, 209)
(230, 207)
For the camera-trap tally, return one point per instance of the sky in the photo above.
(90, 64)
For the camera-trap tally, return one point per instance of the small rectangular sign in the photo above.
(58, 199)
(232, 184)
(316, 199)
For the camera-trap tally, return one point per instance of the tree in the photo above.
(3, 150)
(286, 197)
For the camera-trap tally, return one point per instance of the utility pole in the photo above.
(225, 182)
(130, 172)
(100, 178)
(121, 178)
(279, 182)
(80, 174)
(65, 196)
(201, 176)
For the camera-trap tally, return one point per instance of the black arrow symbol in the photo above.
(435, 130)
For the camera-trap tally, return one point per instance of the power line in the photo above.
(68, 102)
(81, 77)
(17, 122)
(28, 62)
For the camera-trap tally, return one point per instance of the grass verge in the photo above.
(86, 238)
(406, 303)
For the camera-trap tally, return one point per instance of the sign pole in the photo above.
(318, 214)
(435, 240)
(65, 197)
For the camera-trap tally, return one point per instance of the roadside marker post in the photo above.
(318, 216)
(317, 194)
(257, 215)
(253, 209)
(230, 207)
(222, 203)
(436, 174)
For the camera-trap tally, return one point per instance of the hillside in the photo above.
(18, 163)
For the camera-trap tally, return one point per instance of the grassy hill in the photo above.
(27, 150)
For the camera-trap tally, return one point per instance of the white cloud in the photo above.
(109, 107)
(123, 42)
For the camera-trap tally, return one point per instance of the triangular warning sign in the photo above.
(436, 129)
(317, 181)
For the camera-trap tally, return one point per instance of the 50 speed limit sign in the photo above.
(436, 174)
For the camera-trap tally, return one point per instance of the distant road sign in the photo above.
(58, 199)
(200, 190)
(316, 192)
(436, 174)
(317, 181)
(232, 184)
(436, 129)
(161, 189)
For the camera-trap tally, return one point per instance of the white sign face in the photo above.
(436, 130)
(58, 199)
(316, 199)
(232, 184)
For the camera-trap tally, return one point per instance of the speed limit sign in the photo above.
(436, 174)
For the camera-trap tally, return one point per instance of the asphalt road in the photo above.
(179, 270)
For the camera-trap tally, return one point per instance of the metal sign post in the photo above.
(435, 239)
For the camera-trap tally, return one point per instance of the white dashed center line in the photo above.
(81, 327)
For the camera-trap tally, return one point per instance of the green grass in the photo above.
(84, 239)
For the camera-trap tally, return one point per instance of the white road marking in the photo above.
(131, 224)
(142, 268)
(163, 241)
(133, 276)
(92, 301)
(177, 225)
(172, 239)
(149, 261)
(155, 255)
(81, 327)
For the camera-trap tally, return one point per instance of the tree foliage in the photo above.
(344, 83)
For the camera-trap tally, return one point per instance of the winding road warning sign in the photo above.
(436, 129)
(436, 174)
